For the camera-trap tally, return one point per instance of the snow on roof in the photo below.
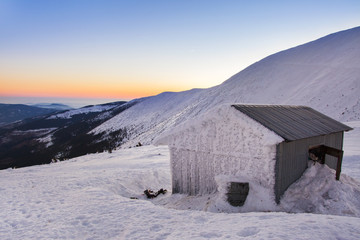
(292, 122)
(289, 122)
(226, 118)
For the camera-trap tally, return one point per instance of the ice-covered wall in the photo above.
(222, 142)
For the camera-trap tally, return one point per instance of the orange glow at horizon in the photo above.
(82, 87)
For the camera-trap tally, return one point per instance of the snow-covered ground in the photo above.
(89, 197)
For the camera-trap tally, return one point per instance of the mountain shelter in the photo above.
(264, 145)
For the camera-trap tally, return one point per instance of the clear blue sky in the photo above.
(127, 49)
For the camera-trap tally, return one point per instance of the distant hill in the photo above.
(14, 112)
(57, 106)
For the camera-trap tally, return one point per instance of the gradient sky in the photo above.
(128, 49)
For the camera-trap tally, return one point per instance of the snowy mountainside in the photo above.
(154, 115)
(84, 110)
(323, 74)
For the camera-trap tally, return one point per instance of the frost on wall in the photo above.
(223, 142)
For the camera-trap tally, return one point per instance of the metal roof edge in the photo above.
(286, 134)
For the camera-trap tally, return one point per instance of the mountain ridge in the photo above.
(323, 74)
(16, 112)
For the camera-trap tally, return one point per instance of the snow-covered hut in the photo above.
(263, 145)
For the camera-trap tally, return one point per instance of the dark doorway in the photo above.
(237, 193)
(318, 153)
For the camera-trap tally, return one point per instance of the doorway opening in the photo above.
(318, 154)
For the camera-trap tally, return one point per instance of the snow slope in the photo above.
(84, 110)
(323, 74)
(352, 150)
(89, 198)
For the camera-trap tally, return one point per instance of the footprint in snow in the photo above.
(248, 231)
(156, 227)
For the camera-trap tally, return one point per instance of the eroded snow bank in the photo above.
(317, 191)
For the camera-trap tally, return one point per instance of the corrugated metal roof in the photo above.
(292, 122)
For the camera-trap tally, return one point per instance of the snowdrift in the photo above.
(318, 192)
